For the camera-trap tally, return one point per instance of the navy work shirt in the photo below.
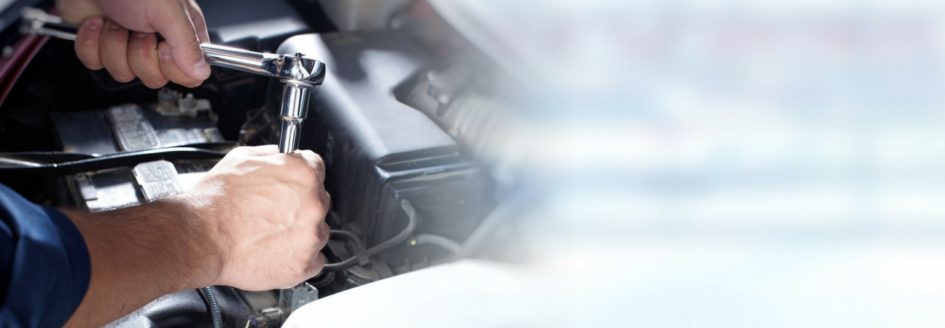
(44, 264)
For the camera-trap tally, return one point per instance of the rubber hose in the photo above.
(215, 315)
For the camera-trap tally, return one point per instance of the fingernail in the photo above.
(164, 52)
(202, 69)
(140, 35)
(94, 23)
(113, 26)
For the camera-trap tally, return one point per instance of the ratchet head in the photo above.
(298, 68)
(295, 69)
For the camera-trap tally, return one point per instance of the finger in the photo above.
(170, 69)
(315, 267)
(86, 43)
(113, 50)
(200, 24)
(324, 234)
(174, 23)
(143, 59)
(73, 12)
(325, 198)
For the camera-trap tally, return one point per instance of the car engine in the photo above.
(412, 120)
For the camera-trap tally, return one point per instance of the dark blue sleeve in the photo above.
(44, 264)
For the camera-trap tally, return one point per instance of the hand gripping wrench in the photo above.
(298, 74)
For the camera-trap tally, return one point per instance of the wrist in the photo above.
(202, 254)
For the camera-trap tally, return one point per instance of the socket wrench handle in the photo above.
(295, 67)
(235, 58)
(297, 73)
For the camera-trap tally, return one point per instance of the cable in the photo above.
(403, 235)
(215, 315)
(476, 241)
(393, 241)
(359, 250)
(446, 243)
(351, 236)
(39, 163)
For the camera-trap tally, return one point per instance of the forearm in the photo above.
(139, 254)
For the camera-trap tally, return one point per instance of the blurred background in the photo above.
(736, 163)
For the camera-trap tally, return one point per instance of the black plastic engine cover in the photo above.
(379, 150)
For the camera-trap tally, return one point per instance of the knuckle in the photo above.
(308, 174)
(301, 168)
(278, 160)
(250, 163)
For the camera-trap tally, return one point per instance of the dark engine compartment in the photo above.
(406, 190)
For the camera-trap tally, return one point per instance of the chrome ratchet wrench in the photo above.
(298, 74)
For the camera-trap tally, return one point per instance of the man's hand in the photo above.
(256, 221)
(266, 214)
(122, 37)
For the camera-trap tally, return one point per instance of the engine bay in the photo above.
(407, 122)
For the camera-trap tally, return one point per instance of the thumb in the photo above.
(172, 20)
(76, 12)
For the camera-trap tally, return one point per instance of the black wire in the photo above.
(359, 249)
(394, 241)
(37, 163)
(403, 235)
(216, 316)
(350, 236)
